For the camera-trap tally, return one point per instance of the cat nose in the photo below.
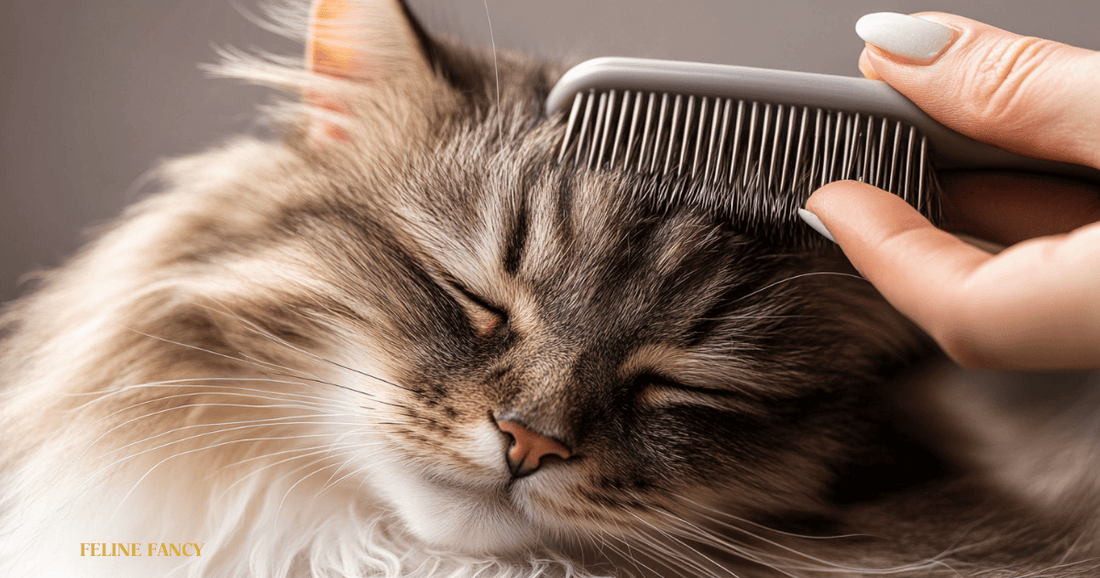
(528, 448)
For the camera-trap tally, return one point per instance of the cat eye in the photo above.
(656, 389)
(486, 318)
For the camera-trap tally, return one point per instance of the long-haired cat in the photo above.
(402, 341)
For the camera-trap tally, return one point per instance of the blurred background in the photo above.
(93, 93)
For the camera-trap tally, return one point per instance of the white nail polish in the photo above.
(812, 220)
(905, 36)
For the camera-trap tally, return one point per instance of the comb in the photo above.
(753, 144)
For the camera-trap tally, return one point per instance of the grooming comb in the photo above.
(753, 144)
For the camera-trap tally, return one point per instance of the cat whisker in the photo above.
(194, 405)
(279, 341)
(192, 451)
(330, 449)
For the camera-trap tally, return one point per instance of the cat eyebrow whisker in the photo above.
(799, 276)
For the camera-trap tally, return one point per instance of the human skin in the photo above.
(1035, 305)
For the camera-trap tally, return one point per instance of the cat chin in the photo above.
(458, 519)
(473, 510)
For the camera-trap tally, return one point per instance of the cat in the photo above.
(401, 340)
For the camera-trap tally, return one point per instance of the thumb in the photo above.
(1027, 95)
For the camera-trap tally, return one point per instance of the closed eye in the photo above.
(655, 390)
(486, 318)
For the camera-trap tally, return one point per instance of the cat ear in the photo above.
(372, 42)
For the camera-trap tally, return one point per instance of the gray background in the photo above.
(94, 92)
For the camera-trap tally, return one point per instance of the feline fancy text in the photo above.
(137, 549)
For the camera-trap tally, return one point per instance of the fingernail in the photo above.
(812, 220)
(905, 36)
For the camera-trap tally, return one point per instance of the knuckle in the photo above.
(996, 80)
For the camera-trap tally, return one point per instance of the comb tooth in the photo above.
(712, 137)
(836, 148)
(894, 159)
(643, 150)
(661, 118)
(787, 150)
(676, 106)
(881, 176)
(699, 135)
(798, 149)
(686, 136)
(736, 142)
(866, 177)
(588, 106)
(846, 153)
(764, 179)
(592, 159)
(920, 175)
(605, 114)
(571, 125)
(778, 131)
(722, 139)
(825, 155)
(815, 151)
(909, 150)
(633, 129)
(749, 147)
(619, 129)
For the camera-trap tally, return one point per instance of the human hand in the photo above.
(1035, 305)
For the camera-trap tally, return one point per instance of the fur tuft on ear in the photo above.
(370, 42)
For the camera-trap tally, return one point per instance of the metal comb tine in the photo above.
(607, 113)
(571, 125)
(910, 149)
(813, 151)
(686, 136)
(850, 142)
(867, 149)
(676, 106)
(777, 132)
(825, 154)
(736, 141)
(588, 106)
(765, 179)
(748, 149)
(787, 150)
(644, 150)
(801, 145)
(633, 129)
(844, 152)
(722, 139)
(920, 173)
(711, 140)
(833, 165)
(619, 129)
(699, 135)
(596, 131)
(894, 158)
(662, 117)
(879, 168)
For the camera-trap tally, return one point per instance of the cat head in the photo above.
(496, 349)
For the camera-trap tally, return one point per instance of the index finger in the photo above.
(1033, 307)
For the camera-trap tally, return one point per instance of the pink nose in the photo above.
(528, 448)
